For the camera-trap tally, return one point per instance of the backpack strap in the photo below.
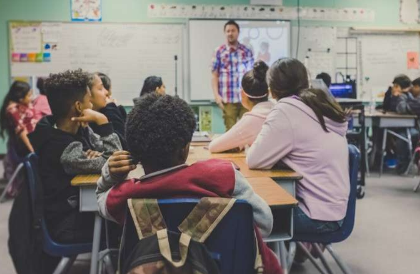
(146, 216)
(165, 248)
(205, 216)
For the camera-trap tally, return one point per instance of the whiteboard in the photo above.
(317, 48)
(206, 35)
(382, 57)
(127, 53)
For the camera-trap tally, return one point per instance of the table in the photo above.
(276, 187)
(389, 121)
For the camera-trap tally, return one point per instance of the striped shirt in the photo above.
(231, 64)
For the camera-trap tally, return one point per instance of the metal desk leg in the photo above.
(283, 257)
(366, 154)
(383, 151)
(410, 148)
(96, 244)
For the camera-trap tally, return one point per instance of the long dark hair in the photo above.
(288, 76)
(18, 90)
(254, 83)
(150, 85)
(106, 81)
(40, 85)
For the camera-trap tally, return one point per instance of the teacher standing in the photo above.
(230, 62)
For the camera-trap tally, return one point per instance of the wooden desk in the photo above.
(271, 192)
(265, 187)
(200, 154)
(278, 193)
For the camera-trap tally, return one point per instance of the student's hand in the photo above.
(110, 100)
(90, 116)
(120, 164)
(92, 154)
(219, 101)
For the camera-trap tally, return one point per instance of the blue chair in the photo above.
(232, 243)
(348, 224)
(68, 252)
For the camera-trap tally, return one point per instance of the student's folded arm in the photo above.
(403, 105)
(106, 140)
(233, 138)
(105, 184)
(261, 211)
(75, 161)
(273, 143)
(113, 113)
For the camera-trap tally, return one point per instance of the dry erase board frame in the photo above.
(205, 93)
(127, 64)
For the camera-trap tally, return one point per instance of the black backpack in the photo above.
(161, 251)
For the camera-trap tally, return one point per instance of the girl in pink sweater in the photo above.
(306, 130)
(255, 99)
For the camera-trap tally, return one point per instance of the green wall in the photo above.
(136, 11)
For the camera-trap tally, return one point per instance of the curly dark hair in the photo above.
(158, 129)
(64, 89)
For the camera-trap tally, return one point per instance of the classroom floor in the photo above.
(386, 237)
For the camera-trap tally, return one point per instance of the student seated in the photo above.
(41, 106)
(159, 132)
(106, 81)
(401, 84)
(255, 99)
(67, 147)
(306, 130)
(17, 119)
(152, 84)
(415, 90)
(103, 103)
(408, 102)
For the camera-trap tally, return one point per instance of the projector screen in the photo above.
(269, 41)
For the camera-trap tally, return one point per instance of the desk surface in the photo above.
(265, 187)
(380, 114)
(199, 153)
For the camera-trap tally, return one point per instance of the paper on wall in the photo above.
(409, 11)
(412, 60)
(86, 10)
(267, 2)
(51, 32)
(26, 39)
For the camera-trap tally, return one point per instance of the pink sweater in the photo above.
(245, 131)
(41, 106)
(293, 134)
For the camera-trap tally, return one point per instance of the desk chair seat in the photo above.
(232, 243)
(344, 232)
(68, 252)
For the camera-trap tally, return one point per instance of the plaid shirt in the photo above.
(20, 118)
(231, 64)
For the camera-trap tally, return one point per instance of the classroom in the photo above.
(231, 137)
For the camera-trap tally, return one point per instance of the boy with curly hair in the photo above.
(66, 147)
(159, 131)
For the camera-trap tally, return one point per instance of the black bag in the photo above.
(166, 252)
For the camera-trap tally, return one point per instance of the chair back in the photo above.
(35, 187)
(232, 242)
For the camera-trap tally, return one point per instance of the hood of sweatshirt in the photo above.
(261, 110)
(339, 128)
